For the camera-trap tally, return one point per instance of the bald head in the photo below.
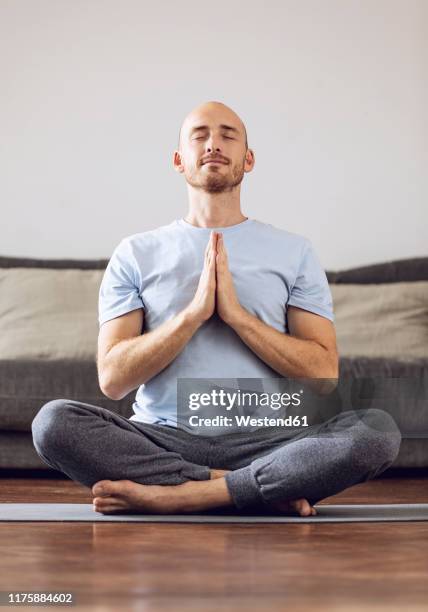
(212, 107)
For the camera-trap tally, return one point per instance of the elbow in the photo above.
(112, 390)
(108, 393)
(327, 378)
(113, 395)
(109, 390)
(323, 386)
(328, 386)
(331, 378)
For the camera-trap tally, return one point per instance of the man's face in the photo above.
(213, 134)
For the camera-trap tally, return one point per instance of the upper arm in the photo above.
(309, 326)
(113, 331)
(310, 290)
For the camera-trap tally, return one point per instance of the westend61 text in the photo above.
(245, 421)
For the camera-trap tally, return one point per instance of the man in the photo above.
(215, 294)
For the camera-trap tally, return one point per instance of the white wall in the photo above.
(333, 94)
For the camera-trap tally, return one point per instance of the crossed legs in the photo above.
(130, 469)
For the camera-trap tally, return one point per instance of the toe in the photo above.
(302, 506)
(110, 506)
(108, 487)
(102, 504)
(104, 501)
(102, 487)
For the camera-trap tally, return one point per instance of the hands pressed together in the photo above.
(216, 291)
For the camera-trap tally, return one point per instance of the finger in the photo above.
(222, 251)
(209, 261)
(211, 269)
(215, 241)
(209, 243)
(209, 248)
(221, 243)
(210, 256)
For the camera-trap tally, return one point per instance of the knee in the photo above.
(47, 427)
(379, 441)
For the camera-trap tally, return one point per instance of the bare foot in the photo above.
(127, 496)
(124, 496)
(299, 506)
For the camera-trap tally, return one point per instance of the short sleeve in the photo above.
(119, 290)
(311, 290)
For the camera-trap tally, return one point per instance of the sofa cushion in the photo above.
(49, 314)
(400, 388)
(382, 320)
(27, 384)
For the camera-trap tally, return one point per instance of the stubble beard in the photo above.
(213, 181)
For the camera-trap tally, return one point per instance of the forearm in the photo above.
(289, 356)
(132, 362)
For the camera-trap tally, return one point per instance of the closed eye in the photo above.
(200, 138)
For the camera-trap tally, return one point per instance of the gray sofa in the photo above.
(48, 331)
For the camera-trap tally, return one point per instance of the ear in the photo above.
(177, 161)
(250, 160)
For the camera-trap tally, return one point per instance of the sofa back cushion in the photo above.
(49, 308)
(382, 320)
(49, 313)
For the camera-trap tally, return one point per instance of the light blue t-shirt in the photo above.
(159, 270)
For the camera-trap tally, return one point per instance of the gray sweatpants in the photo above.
(90, 443)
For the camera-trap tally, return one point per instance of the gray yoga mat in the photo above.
(325, 514)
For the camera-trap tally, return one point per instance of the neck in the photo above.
(214, 209)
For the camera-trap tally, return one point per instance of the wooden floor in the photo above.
(346, 567)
